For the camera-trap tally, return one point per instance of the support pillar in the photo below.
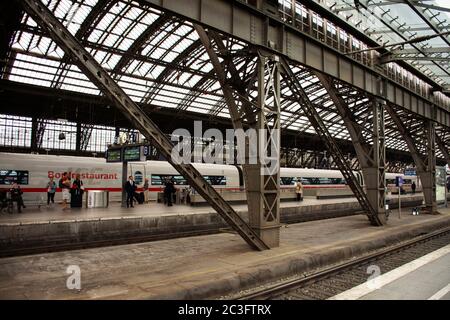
(374, 171)
(371, 157)
(264, 178)
(262, 189)
(34, 135)
(78, 137)
(427, 172)
(124, 179)
(421, 145)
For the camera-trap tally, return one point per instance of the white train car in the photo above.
(32, 172)
(315, 178)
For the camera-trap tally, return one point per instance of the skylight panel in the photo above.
(157, 53)
(78, 88)
(110, 40)
(112, 61)
(156, 71)
(30, 80)
(182, 45)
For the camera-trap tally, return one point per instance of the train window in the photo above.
(407, 181)
(287, 181)
(390, 181)
(216, 180)
(337, 181)
(138, 177)
(160, 179)
(8, 177)
(319, 181)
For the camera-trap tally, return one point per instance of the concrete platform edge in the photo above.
(298, 264)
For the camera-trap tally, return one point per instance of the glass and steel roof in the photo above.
(391, 22)
(158, 59)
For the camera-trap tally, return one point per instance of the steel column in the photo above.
(137, 117)
(374, 176)
(37, 133)
(371, 157)
(425, 160)
(264, 179)
(428, 177)
(322, 130)
(262, 194)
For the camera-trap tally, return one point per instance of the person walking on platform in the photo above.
(413, 188)
(16, 196)
(130, 188)
(299, 190)
(64, 184)
(168, 192)
(145, 188)
(76, 199)
(51, 189)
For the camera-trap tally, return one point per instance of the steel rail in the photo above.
(278, 289)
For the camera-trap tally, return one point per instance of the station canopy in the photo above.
(392, 22)
(158, 59)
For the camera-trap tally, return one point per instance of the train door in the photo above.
(138, 171)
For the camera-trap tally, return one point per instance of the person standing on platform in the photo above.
(168, 192)
(130, 189)
(299, 190)
(146, 190)
(64, 184)
(76, 199)
(413, 188)
(51, 189)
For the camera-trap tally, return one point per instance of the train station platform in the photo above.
(36, 230)
(201, 267)
(426, 278)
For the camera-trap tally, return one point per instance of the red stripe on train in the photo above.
(156, 189)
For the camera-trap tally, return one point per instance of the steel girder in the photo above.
(443, 147)
(141, 121)
(322, 130)
(85, 135)
(262, 189)
(370, 156)
(419, 135)
(37, 133)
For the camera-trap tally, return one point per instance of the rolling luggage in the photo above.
(139, 197)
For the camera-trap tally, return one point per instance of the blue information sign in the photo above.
(398, 181)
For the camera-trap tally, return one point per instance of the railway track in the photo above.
(338, 278)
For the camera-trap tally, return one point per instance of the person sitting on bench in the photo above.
(16, 196)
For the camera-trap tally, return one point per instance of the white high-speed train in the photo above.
(32, 173)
